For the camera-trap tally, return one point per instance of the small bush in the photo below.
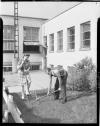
(93, 80)
(82, 75)
(85, 64)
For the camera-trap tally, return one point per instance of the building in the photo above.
(72, 35)
(30, 37)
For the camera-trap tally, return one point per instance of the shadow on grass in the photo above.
(28, 115)
(69, 98)
(74, 97)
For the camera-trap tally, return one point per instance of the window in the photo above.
(8, 38)
(7, 66)
(60, 40)
(51, 42)
(31, 40)
(45, 40)
(31, 34)
(71, 38)
(34, 67)
(45, 44)
(85, 35)
(31, 48)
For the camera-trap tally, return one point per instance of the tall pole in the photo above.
(16, 30)
(16, 38)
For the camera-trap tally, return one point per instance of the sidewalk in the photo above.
(40, 80)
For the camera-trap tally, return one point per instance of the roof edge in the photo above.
(24, 17)
(64, 11)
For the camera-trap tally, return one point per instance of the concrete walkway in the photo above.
(40, 80)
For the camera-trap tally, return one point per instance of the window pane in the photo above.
(71, 45)
(31, 48)
(35, 34)
(86, 35)
(52, 48)
(27, 34)
(8, 45)
(85, 27)
(60, 40)
(31, 34)
(51, 42)
(72, 38)
(45, 40)
(86, 43)
(8, 32)
(72, 31)
(60, 34)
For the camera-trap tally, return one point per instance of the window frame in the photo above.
(45, 40)
(8, 43)
(31, 46)
(82, 47)
(60, 39)
(31, 39)
(68, 38)
(51, 42)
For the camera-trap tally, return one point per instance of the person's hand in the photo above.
(24, 58)
(48, 93)
(59, 89)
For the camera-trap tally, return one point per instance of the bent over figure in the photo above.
(60, 84)
(24, 74)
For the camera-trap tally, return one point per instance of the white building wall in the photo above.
(7, 57)
(34, 58)
(88, 11)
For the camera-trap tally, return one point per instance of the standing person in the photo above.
(24, 74)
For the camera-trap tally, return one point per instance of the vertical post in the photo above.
(16, 38)
(12, 107)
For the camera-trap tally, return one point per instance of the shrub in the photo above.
(93, 80)
(85, 64)
(82, 75)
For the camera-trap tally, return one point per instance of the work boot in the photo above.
(63, 100)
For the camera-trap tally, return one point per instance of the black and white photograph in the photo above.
(49, 62)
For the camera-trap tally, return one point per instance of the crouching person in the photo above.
(60, 84)
(24, 74)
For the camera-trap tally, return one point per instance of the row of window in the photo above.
(30, 36)
(84, 35)
(30, 33)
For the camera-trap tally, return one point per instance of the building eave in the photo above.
(64, 12)
(23, 17)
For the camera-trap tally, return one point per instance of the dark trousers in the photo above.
(61, 94)
(56, 94)
(63, 90)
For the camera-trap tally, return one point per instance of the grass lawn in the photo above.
(80, 107)
(77, 109)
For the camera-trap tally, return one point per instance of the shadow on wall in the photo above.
(28, 115)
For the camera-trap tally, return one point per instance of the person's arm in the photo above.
(20, 64)
(27, 67)
(60, 82)
(50, 85)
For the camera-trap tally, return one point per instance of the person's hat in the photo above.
(50, 66)
(59, 66)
